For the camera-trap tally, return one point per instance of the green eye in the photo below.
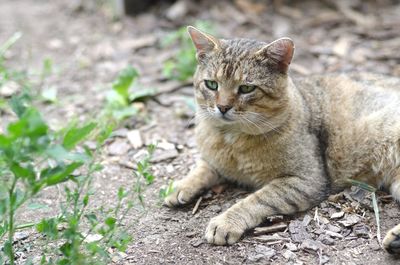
(244, 89)
(212, 85)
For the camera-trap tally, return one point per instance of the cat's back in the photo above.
(359, 113)
(354, 95)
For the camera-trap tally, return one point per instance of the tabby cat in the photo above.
(294, 143)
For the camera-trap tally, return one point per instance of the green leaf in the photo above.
(22, 172)
(105, 133)
(75, 135)
(115, 100)
(30, 124)
(9, 43)
(141, 94)
(3, 230)
(110, 222)
(59, 153)
(48, 227)
(362, 185)
(121, 193)
(92, 218)
(140, 167)
(123, 113)
(60, 174)
(66, 249)
(47, 68)
(5, 142)
(8, 248)
(85, 200)
(166, 190)
(19, 104)
(376, 211)
(124, 80)
(149, 178)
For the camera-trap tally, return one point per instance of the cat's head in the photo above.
(241, 83)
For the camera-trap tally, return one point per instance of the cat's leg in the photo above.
(198, 180)
(286, 195)
(391, 242)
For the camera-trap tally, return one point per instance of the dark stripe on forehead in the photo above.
(229, 69)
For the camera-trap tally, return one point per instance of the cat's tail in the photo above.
(391, 242)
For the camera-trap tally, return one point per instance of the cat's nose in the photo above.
(224, 109)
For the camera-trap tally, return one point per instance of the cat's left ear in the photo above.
(204, 43)
(279, 52)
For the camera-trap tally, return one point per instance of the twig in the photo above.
(316, 216)
(270, 229)
(196, 206)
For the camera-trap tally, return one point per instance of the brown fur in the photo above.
(295, 144)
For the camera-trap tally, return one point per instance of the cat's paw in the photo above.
(181, 195)
(391, 242)
(223, 231)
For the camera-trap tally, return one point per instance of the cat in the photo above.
(295, 144)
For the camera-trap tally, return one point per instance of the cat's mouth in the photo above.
(225, 118)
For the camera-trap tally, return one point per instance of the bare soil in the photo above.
(88, 49)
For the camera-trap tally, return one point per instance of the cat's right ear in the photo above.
(204, 43)
(279, 53)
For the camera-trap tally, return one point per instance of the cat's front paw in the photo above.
(391, 242)
(181, 195)
(222, 230)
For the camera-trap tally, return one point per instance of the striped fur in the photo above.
(295, 144)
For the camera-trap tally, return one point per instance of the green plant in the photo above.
(119, 99)
(183, 65)
(143, 173)
(89, 233)
(166, 190)
(33, 157)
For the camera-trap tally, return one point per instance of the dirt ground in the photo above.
(88, 49)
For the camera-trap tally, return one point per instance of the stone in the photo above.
(323, 259)
(214, 208)
(289, 255)
(361, 230)
(161, 155)
(310, 244)
(197, 242)
(93, 238)
(291, 246)
(18, 236)
(9, 88)
(337, 215)
(333, 234)
(350, 220)
(306, 220)
(327, 240)
(119, 147)
(135, 139)
(298, 231)
(333, 228)
(261, 252)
